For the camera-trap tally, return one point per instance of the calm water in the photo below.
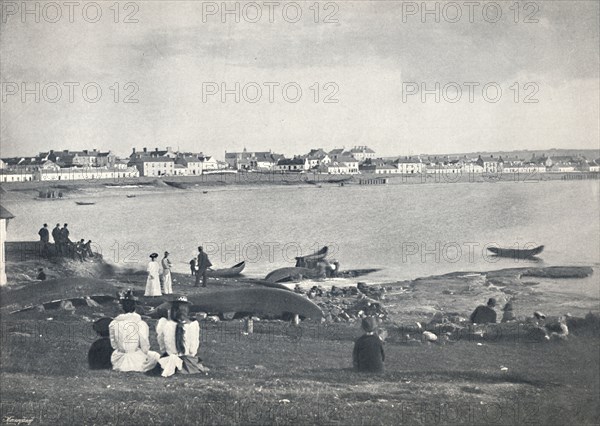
(407, 230)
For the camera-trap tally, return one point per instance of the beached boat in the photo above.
(268, 301)
(289, 274)
(353, 273)
(315, 256)
(234, 271)
(84, 203)
(516, 253)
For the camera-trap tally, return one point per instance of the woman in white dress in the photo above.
(129, 337)
(153, 281)
(179, 338)
(166, 275)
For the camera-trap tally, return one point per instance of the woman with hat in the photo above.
(153, 281)
(129, 337)
(179, 338)
(166, 275)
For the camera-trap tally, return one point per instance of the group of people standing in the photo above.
(159, 279)
(63, 244)
(123, 350)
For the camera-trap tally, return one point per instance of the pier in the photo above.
(374, 181)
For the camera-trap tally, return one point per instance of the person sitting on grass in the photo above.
(484, 314)
(129, 337)
(41, 274)
(368, 354)
(87, 247)
(101, 350)
(508, 314)
(179, 338)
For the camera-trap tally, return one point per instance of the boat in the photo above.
(84, 203)
(315, 256)
(289, 274)
(234, 271)
(269, 301)
(516, 253)
(130, 196)
(353, 273)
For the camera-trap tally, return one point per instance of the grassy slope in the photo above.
(45, 376)
(549, 383)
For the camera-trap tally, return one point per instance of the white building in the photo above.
(5, 216)
(409, 165)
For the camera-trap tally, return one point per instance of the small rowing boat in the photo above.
(290, 274)
(234, 271)
(84, 203)
(315, 256)
(516, 253)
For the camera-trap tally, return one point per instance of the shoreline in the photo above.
(259, 179)
(417, 299)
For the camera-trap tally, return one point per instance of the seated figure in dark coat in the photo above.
(368, 354)
(484, 314)
(101, 350)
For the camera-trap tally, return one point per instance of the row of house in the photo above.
(65, 165)
(170, 163)
(93, 164)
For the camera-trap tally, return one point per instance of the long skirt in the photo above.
(171, 364)
(134, 361)
(167, 283)
(153, 286)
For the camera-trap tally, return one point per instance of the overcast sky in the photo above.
(372, 52)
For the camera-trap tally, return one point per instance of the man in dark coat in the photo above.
(368, 354)
(44, 239)
(484, 314)
(56, 236)
(101, 350)
(202, 264)
(65, 242)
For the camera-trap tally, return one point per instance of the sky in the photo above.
(360, 67)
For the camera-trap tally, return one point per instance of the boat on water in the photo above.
(516, 253)
(130, 196)
(234, 271)
(84, 203)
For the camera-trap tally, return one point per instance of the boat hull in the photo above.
(516, 253)
(268, 301)
(234, 271)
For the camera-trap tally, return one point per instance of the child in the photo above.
(508, 314)
(368, 352)
(101, 350)
(41, 275)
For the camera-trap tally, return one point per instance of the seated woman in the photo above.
(179, 338)
(101, 350)
(129, 339)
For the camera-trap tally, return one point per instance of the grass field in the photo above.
(284, 374)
